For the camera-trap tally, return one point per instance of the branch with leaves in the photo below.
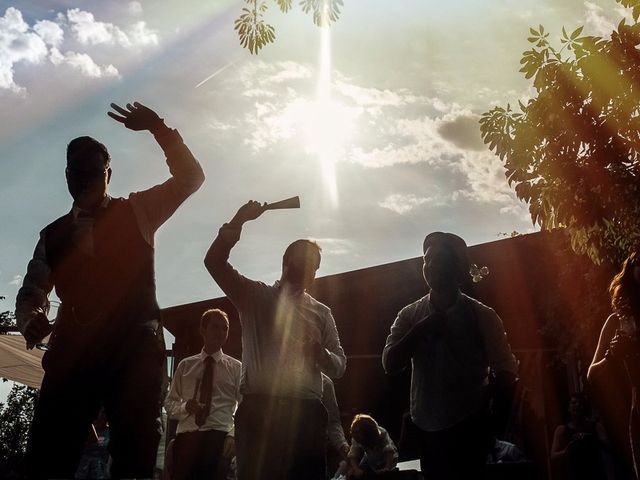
(254, 32)
(573, 151)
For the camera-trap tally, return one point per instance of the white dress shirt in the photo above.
(186, 383)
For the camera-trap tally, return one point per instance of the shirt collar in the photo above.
(453, 305)
(76, 210)
(217, 356)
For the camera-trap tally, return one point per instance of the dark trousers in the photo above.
(125, 378)
(280, 438)
(196, 455)
(458, 452)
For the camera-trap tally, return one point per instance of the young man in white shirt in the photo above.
(288, 340)
(203, 398)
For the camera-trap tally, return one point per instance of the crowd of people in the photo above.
(272, 414)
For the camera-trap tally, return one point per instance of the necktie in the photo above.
(206, 391)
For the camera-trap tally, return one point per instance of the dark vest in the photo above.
(112, 290)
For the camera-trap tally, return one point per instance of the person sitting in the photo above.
(373, 454)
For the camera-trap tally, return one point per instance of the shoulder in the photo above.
(479, 307)
(611, 324)
(187, 361)
(57, 222)
(318, 306)
(231, 361)
(413, 308)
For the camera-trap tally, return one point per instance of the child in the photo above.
(372, 452)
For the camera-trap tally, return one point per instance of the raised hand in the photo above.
(249, 211)
(136, 117)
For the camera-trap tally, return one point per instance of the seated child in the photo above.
(372, 452)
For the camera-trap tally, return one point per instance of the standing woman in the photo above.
(618, 353)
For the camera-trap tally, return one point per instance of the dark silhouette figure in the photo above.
(203, 398)
(579, 444)
(106, 347)
(452, 340)
(288, 340)
(616, 363)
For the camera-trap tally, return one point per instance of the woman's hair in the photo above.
(624, 291)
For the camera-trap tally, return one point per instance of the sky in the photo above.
(373, 123)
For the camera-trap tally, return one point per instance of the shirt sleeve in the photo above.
(336, 362)
(154, 206)
(389, 446)
(36, 286)
(356, 451)
(235, 286)
(237, 377)
(496, 343)
(175, 404)
(403, 323)
(335, 432)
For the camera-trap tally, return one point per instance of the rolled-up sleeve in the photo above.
(36, 286)
(157, 204)
(174, 403)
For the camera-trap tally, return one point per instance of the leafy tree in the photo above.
(573, 151)
(15, 418)
(255, 33)
(7, 318)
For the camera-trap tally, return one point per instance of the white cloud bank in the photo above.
(42, 43)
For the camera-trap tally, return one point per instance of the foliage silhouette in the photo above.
(573, 151)
(253, 31)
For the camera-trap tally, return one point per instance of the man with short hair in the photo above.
(106, 348)
(451, 340)
(288, 340)
(203, 398)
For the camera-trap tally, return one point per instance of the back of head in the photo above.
(455, 245)
(364, 429)
(85, 147)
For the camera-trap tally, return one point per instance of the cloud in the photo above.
(21, 44)
(463, 131)
(83, 63)
(16, 281)
(402, 204)
(336, 246)
(17, 45)
(51, 33)
(596, 21)
(89, 31)
(135, 8)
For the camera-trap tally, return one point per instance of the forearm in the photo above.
(33, 295)
(391, 460)
(218, 254)
(396, 356)
(183, 166)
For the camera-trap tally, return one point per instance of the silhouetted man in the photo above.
(106, 347)
(451, 340)
(288, 339)
(203, 398)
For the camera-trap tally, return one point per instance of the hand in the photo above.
(623, 346)
(249, 211)
(229, 447)
(193, 407)
(36, 328)
(137, 117)
(344, 451)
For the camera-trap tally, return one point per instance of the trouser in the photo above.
(279, 438)
(196, 455)
(83, 374)
(456, 453)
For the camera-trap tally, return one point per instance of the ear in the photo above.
(108, 175)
